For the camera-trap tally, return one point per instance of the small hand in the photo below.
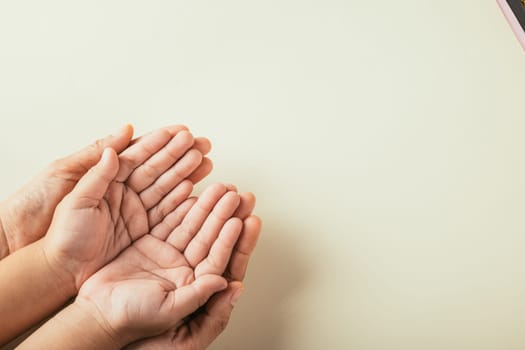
(168, 274)
(118, 201)
(26, 216)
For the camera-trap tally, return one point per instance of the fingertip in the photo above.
(196, 154)
(96, 181)
(127, 129)
(235, 200)
(249, 197)
(212, 284)
(237, 291)
(231, 187)
(185, 188)
(187, 185)
(235, 221)
(231, 231)
(254, 221)
(234, 285)
(209, 163)
(185, 137)
(203, 144)
(108, 153)
(252, 196)
(203, 170)
(217, 188)
(109, 158)
(122, 138)
(174, 129)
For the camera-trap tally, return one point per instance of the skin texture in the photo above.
(120, 200)
(159, 280)
(25, 216)
(207, 323)
(36, 202)
(109, 207)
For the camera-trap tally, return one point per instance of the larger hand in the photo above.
(200, 330)
(156, 282)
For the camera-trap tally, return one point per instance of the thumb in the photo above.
(210, 324)
(88, 156)
(186, 300)
(94, 184)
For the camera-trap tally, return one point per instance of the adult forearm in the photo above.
(72, 328)
(31, 289)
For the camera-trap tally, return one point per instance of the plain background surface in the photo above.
(384, 140)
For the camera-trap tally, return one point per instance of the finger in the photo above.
(148, 172)
(140, 151)
(203, 145)
(172, 130)
(167, 259)
(175, 129)
(221, 250)
(188, 298)
(246, 206)
(92, 186)
(231, 187)
(203, 329)
(173, 219)
(90, 155)
(243, 249)
(202, 171)
(169, 203)
(208, 325)
(152, 195)
(199, 247)
(181, 236)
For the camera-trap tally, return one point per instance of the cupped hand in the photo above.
(118, 201)
(165, 276)
(204, 326)
(25, 216)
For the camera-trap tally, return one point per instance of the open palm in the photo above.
(118, 201)
(168, 274)
(27, 214)
(199, 330)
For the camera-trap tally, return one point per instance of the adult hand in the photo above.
(204, 326)
(165, 276)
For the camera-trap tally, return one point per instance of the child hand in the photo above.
(117, 201)
(25, 217)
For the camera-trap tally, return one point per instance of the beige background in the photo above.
(384, 139)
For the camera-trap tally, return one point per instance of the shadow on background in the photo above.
(277, 269)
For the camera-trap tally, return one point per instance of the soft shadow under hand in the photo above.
(278, 268)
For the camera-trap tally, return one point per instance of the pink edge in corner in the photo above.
(513, 21)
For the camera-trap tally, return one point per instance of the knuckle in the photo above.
(97, 145)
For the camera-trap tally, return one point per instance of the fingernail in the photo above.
(236, 296)
(105, 155)
(122, 130)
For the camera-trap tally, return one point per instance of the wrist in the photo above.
(99, 322)
(75, 327)
(63, 279)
